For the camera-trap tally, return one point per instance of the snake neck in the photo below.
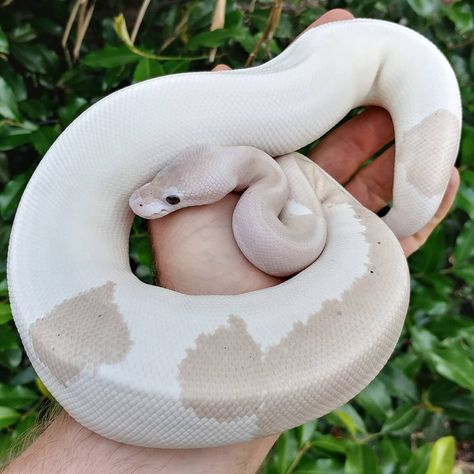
(277, 234)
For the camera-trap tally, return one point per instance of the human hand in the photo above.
(195, 249)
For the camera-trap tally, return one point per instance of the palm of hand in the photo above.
(195, 246)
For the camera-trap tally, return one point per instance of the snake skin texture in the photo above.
(148, 366)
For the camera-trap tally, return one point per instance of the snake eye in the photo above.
(172, 200)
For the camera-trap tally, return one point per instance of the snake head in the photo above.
(197, 176)
(150, 203)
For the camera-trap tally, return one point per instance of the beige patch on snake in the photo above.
(81, 333)
(438, 136)
(229, 366)
(218, 365)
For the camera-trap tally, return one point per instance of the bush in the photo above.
(418, 415)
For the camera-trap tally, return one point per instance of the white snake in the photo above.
(152, 367)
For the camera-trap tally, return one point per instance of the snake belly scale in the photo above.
(151, 367)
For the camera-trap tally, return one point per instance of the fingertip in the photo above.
(337, 14)
(455, 179)
(221, 67)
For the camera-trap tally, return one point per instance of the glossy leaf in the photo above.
(4, 47)
(321, 466)
(305, 432)
(10, 196)
(284, 452)
(330, 444)
(8, 104)
(111, 56)
(16, 396)
(8, 416)
(418, 462)
(443, 456)
(375, 399)
(465, 243)
(361, 459)
(5, 313)
(36, 57)
(347, 417)
(455, 364)
(401, 418)
(147, 69)
(398, 384)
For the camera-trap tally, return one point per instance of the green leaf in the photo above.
(5, 313)
(320, 466)
(461, 15)
(284, 451)
(73, 107)
(361, 459)
(4, 48)
(43, 138)
(467, 143)
(393, 452)
(430, 258)
(36, 57)
(465, 273)
(456, 364)
(110, 56)
(8, 416)
(147, 69)
(8, 338)
(418, 462)
(465, 243)
(443, 456)
(42, 388)
(4, 288)
(423, 341)
(10, 196)
(23, 33)
(5, 446)
(348, 418)
(13, 357)
(36, 109)
(398, 384)
(14, 80)
(375, 399)
(16, 396)
(25, 376)
(210, 39)
(25, 424)
(454, 400)
(330, 444)
(424, 8)
(12, 137)
(305, 432)
(8, 104)
(403, 416)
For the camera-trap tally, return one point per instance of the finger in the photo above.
(372, 186)
(413, 243)
(342, 152)
(337, 14)
(221, 67)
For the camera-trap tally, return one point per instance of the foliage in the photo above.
(417, 416)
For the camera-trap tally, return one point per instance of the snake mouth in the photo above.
(152, 210)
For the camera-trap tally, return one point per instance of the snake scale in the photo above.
(149, 366)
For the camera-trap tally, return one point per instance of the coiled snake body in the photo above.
(148, 366)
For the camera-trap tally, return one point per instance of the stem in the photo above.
(138, 21)
(301, 452)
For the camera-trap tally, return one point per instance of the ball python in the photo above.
(148, 366)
